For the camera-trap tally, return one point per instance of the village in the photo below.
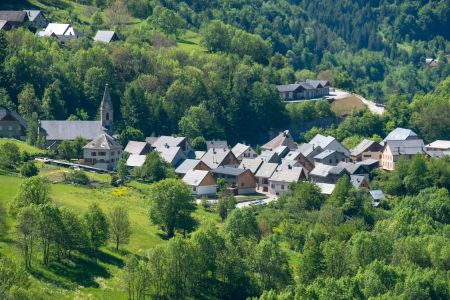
(266, 171)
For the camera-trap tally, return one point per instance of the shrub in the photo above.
(29, 169)
(77, 177)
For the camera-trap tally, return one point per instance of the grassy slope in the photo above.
(345, 106)
(22, 146)
(97, 277)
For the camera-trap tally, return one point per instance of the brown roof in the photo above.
(282, 139)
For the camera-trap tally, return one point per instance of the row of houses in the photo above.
(63, 32)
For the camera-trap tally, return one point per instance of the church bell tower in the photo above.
(106, 110)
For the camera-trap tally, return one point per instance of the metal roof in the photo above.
(13, 15)
(400, 134)
(282, 139)
(250, 164)
(169, 154)
(195, 177)
(439, 144)
(216, 144)
(239, 149)
(326, 188)
(228, 171)
(214, 157)
(103, 141)
(136, 160)
(135, 147)
(324, 154)
(105, 36)
(377, 194)
(70, 130)
(357, 180)
(406, 147)
(266, 170)
(168, 141)
(288, 175)
(361, 147)
(322, 170)
(187, 165)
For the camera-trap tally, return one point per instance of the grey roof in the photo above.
(150, 140)
(199, 154)
(406, 147)
(282, 88)
(322, 170)
(4, 112)
(228, 171)
(357, 180)
(307, 85)
(70, 130)
(136, 160)
(105, 36)
(268, 156)
(250, 164)
(134, 147)
(401, 134)
(32, 14)
(239, 149)
(321, 140)
(439, 144)
(167, 141)
(286, 164)
(315, 83)
(218, 144)
(324, 154)
(194, 177)
(266, 170)
(326, 188)
(214, 157)
(187, 165)
(288, 175)
(103, 141)
(169, 154)
(13, 15)
(368, 162)
(292, 155)
(282, 151)
(3, 23)
(377, 195)
(282, 139)
(361, 147)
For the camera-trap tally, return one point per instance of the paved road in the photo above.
(340, 94)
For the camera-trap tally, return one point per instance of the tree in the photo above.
(341, 191)
(198, 121)
(155, 168)
(119, 225)
(5, 100)
(122, 169)
(53, 104)
(166, 20)
(9, 155)
(50, 228)
(335, 258)
(242, 223)
(27, 228)
(29, 169)
(74, 234)
(226, 203)
(311, 262)
(136, 278)
(199, 144)
(304, 196)
(96, 224)
(117, 13)
(130, 134)
(171, 201)
(77, 177)
(28, 102)
(34, 190)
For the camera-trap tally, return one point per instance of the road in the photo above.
(267, 200)
(340, 94)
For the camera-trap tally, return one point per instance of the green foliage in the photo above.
(155, 168)
(34, 190)
(171, 206)
(29, 169)
(166, 20)
(9, 155)
(199, 144)
(198, 121)
(119, 224)
(71, 149)
(77, 177)
(242, 223)
(97, 228)
(130, 134)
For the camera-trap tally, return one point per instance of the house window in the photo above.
(107, 116)
(112, 152)
(102, 154)
(337, 160)
(94, 153)
(10, 128)
(272, 185)
(282, 186)
(255, 155)
(330, 160)
(194, 189)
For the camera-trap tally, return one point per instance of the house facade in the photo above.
(393, 150)
(37, 18)
(263, 175)
(11, 124)
(329, 157)
(309, 89)
(280, 180)
(366, 149)
(189, 165)
(240, 181)
(103, 152)
(200, 182)
(215, 158)
(242, 151)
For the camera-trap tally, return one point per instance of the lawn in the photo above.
(345, 106)
(23, 146)
(93, 277)
(190, 41)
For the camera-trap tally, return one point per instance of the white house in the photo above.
(103, 152)
(202, 183)
(242, 151)
(280, 180)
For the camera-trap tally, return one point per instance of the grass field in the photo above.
(23, 146)
(95, 278)
(345, 106)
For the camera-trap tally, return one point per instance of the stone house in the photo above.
(103, 152)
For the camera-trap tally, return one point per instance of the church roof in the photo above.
(70, 130)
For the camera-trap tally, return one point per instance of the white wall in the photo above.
(204, 190)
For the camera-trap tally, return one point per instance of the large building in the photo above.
(309, 89)
(54, 131)
(103, 152)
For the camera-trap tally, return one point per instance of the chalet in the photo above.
(263, 174)
(393, 150)
(297, 156)
(173, 155)
(269, 156)
(240, 181)
(216, 144)
(201, 183)
(309, 89)
(136, 161)
(171, 141)
(103, 152)
(431, 62)
(359, 181)
(326, 173)
(280, 180)
(11, 124)
(63, 32)
(400, 134)
(54, 132)
(12, 18)
(138, 148)
(282, 139)
(329, 143)
(329, 157)
(250, 164)
(358, 168)
(215, 158)
(366, 149)
(105, 36)
(438, 149)
(36, 17)
(189, 165)
(377, 196)
(242, 151)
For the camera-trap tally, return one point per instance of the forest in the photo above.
(207, 70)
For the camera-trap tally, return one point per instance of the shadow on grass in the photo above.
(183, 41)
(110, 259)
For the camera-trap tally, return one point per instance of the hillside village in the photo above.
(239, 149)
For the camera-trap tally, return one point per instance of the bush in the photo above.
(77, 177)
(29, 169)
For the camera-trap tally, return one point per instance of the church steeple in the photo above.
(106, 110)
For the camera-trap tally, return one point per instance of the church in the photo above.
(54, 132)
